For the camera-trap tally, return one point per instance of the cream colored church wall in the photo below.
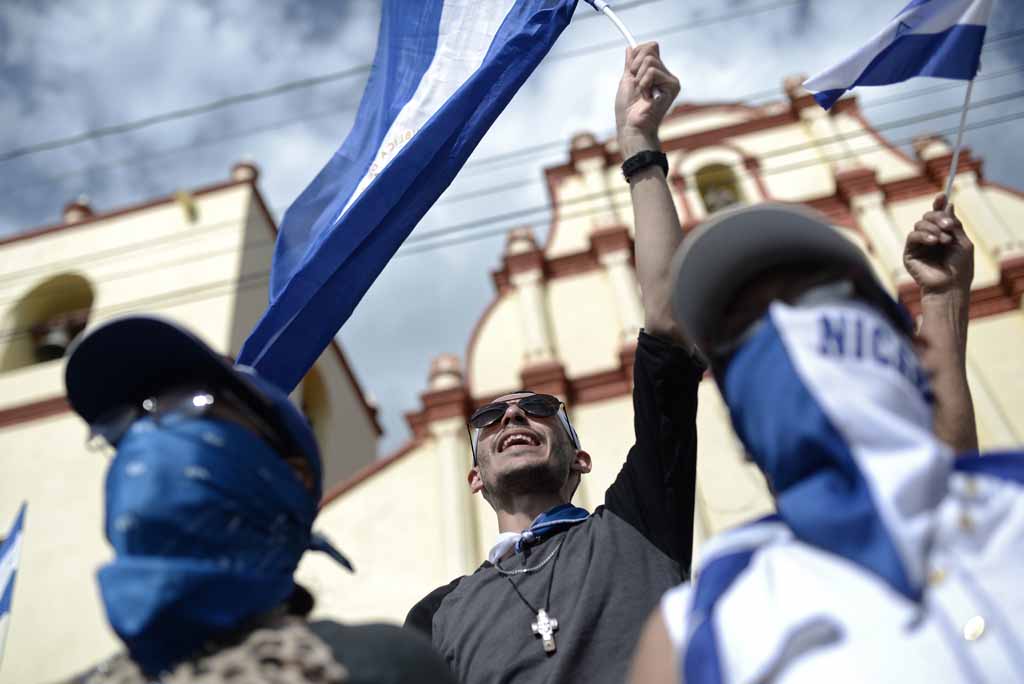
(696, 122)
(805, 181)
(1009, 206)
(730, 490)
(584, 320)
(589, 202)
(57, 623)
(496, 359)
(151, 260)
(606, 433)
(870, 152)
(389, 526)
(996, 375)
(346, 437)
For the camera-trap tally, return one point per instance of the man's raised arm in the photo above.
(940, 258)
(638, 114)
(654, 491)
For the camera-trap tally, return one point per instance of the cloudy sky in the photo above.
(67, 67)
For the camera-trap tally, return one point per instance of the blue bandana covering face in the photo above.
(833, 406)
(208, 525)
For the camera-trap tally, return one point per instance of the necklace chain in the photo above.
(524, 571)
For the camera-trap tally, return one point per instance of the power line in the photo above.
(214, 105)
(292, 120)
(518, 214)
(561, 143)
(518, 184)
(432, 242)
(184, 112)
(514, 155)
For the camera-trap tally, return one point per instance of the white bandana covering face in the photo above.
(831, 402)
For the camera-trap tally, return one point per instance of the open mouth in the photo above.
(519, 438)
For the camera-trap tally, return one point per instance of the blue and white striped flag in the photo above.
(443, 71)
(10, 550)
(940, 38)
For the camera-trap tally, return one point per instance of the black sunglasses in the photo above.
(536, 405)
(111, 428)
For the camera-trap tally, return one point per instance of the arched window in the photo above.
(718, 187)
(42, 324)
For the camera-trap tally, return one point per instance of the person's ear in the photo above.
(476, 483)
(581, 462)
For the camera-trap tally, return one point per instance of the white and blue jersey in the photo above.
(887, 560)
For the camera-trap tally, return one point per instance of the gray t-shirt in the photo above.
(611, 569)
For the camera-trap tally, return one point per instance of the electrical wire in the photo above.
(260, 278)
(219, 103)
(512, 156)
(523, 213)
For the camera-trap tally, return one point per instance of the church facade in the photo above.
(200, 258)
(565, 316)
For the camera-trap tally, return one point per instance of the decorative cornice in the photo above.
(36, 410)
(856, 182)
(908, 188)
(937, 168)
(610, 240)
(546, 378)
(524, 262)
(130, 209)
(988, 301)
(692, 141)
(1012, 274)
(446, 403)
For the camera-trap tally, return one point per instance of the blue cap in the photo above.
(126, 360)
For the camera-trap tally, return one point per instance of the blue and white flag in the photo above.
(10, 550)
(443, 72)
(939, 38)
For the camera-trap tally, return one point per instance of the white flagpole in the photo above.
(959, 141)
(605, 9)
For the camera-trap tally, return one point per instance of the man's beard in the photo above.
(539, 478)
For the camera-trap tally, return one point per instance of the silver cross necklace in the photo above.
(545, 625)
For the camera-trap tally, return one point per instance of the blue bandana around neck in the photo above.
(208, 524)
(543, 526)
(831, 403)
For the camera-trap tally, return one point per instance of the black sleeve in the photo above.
(383, 654)
(654, 491)
(421, 616)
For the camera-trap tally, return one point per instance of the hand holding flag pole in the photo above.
(605, 9)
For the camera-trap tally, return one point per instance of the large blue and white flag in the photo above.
(443, 71)
(10, 550)
(940, 38)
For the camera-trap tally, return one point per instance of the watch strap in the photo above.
(641, 160)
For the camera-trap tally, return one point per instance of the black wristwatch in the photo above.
(641, 160)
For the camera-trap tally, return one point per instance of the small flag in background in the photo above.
(940, 38)
(10, 550)
(443, 72)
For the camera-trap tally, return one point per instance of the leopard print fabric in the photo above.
(284, 651)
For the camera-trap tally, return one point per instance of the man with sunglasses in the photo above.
(210, 500)
(563, 592)
(888, 559)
